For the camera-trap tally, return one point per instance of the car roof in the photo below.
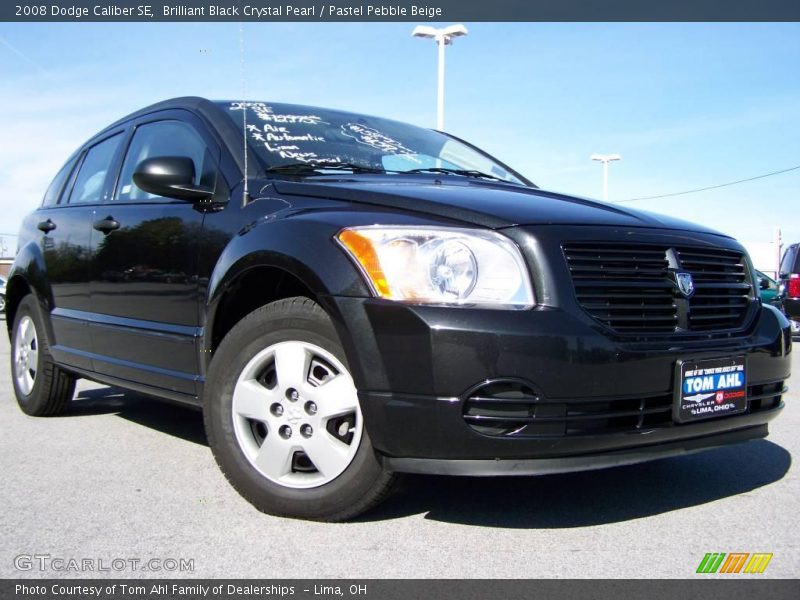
(192, 103)
(203, 107)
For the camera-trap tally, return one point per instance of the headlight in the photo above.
(440, 266)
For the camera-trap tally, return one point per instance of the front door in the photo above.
(144, 275)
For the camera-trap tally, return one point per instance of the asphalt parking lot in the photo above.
(125, 477)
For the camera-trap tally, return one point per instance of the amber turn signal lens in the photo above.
(362, 249)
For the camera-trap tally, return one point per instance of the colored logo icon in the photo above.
(734, 562)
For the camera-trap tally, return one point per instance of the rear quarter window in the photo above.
(88, 186)
(53, 193)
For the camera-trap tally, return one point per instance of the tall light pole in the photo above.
(605, 159)
(443, 37)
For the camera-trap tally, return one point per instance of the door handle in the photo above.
(46, 226)
(106, 225)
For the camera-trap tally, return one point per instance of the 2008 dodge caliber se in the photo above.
(349, 297)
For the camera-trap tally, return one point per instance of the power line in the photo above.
(711, 187)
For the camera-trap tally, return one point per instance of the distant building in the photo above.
(766, 256)
(8, 246)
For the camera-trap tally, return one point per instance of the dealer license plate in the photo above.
(710, 388)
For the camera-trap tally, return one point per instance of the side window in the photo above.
(53, 192)
(88, 186)
(163, 138)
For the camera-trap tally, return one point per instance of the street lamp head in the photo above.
(605, 158)
(454, 31)
(445, 34)
(424, 31)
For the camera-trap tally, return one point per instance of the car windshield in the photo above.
(304, 140)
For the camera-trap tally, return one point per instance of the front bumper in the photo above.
(583, 462)
(415, 367)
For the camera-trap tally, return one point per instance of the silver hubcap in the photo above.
(296, 415)
(26, 355)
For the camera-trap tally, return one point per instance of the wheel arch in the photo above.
(28, 276)
(233, 301)
(273, 259)
(254, 282)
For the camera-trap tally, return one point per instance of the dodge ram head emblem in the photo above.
(685, 284)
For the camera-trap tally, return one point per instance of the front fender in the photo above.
(301, 245)
(297, 237)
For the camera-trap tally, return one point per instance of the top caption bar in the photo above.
(422, 10)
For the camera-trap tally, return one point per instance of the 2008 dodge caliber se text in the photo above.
(352, 297)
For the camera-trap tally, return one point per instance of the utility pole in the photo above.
(443, 37)
(605, 159)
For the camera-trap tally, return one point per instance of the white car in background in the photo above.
(2, 295)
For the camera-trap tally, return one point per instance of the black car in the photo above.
(790, 285)
(349, 297)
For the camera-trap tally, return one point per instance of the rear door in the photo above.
(144, 284)
(65, 222)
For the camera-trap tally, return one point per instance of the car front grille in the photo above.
(721, 288)
(512, 409)
(633, 290)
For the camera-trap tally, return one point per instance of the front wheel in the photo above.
(283, 418)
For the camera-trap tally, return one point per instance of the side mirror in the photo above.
(172, 177)
(763, 283)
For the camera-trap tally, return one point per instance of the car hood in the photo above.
(479, 202)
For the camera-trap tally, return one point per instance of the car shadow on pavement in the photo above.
(543, 502)
(591, 497)
(183, 422)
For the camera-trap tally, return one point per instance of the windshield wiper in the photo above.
(314, 167)
(463, 172)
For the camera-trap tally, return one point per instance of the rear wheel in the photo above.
(42, 388)
(283, 418)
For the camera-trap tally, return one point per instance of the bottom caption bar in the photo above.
(390, 589)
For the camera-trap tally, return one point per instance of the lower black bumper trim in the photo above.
(545, 466)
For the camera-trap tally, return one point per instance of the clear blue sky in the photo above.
(686, 105)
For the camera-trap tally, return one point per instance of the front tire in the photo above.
(42, 388)
(283, 419)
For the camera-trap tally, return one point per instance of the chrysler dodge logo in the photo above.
(685, 284)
